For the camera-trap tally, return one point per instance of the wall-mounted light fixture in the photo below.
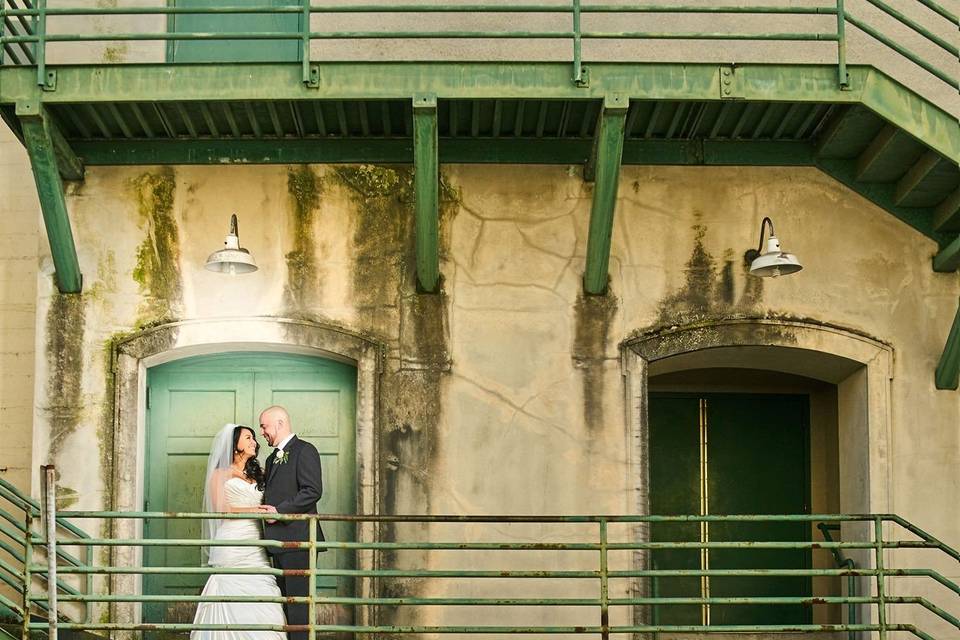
(231, 259)
(773, 262)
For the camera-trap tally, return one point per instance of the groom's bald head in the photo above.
(275, 424)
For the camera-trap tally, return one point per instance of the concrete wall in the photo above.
(510, 370)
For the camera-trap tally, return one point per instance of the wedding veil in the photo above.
(218, 471)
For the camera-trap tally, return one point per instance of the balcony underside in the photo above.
(875, 136)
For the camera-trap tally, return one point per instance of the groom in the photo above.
(293, 486)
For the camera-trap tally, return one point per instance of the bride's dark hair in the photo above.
(252, 468)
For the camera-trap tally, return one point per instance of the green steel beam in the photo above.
(880, 146)
(38, 137)
(426, 170)
(452, 150)
(948, 369)
(881, 194)
(613, 120)
(371, 80)
(917, 174)
(946, 216)
(67, 161)
(911, 112)
(947, 259)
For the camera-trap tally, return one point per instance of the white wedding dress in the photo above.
(239, 493)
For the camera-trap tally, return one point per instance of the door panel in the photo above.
(728, 454)
(674, 478)
(190, 401)
(186, 411)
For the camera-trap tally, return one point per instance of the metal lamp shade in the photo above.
(775, 262)
(231, 259)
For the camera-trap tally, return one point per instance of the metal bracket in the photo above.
(50, 80)
(583, 80)
(424, 101)
(314, 81)
(729, 87)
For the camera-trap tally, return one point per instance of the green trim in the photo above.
(948, 259)
(948, 369)
(426, 180)
(609, 154)
(38, 136)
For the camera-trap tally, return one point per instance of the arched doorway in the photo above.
(189, 400)
(743, 368)
(135, 355)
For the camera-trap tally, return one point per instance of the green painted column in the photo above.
(607, 178)
(426, 167)
(948, 369)
(38, 138)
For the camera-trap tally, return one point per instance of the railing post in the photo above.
(577, 52)
(842, 76)
(27, 576)
(312, 581)
(305, 41)
(40, 30)
(604, 583)
(881, 587)
(50, 532)
(88, 584)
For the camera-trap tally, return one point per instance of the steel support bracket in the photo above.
(38, 135)
(609, 155)
(50, 80)
(948, 369)
(729, 87)
(426, 182)
(313, 80)
(583, 81)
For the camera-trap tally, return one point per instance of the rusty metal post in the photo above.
(50, 532)
(312, 582)
(27, 576)
(604, 583)
(881, 587)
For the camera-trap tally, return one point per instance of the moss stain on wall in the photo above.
(593, 320)
(303, 280)
(709, 291)
(64, 352)
(158, 257)
(384, 292)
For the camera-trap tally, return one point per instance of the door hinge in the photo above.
(148, 397)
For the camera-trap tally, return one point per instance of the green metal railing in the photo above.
(25, 34)
(18, 539)
(610, 577)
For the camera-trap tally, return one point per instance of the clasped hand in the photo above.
(268, 508)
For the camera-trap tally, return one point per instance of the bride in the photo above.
(234, 484)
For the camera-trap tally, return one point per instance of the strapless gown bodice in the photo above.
(239, 494)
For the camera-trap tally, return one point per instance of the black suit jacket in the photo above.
(293, 486)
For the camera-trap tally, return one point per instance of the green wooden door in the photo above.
(254, 50)
(190, 400)
(729, 454)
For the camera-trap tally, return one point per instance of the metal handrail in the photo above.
(24, 538)
(603, 573)
(37, 35)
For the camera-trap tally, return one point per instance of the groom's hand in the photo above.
(268, 508)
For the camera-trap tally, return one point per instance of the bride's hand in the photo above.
(268, 508)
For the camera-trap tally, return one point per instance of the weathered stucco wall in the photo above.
(504, 394)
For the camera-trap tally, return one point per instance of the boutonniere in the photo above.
(282, 456)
